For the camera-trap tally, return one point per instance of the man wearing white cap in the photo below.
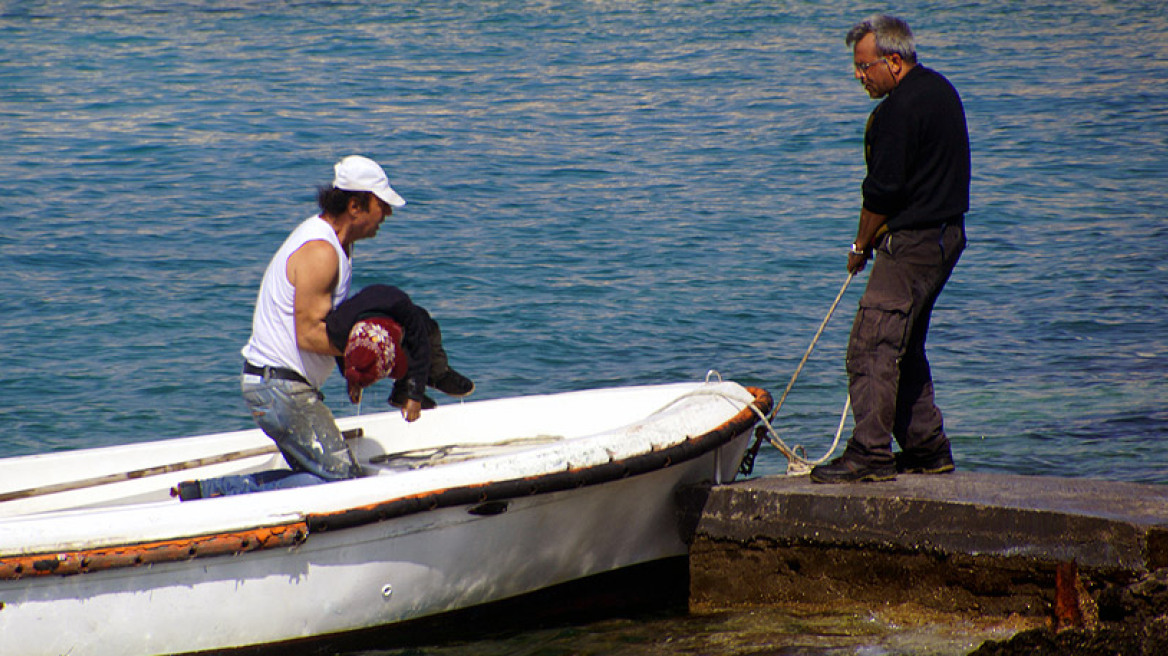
(289, 355)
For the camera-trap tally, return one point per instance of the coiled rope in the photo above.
(797, 461)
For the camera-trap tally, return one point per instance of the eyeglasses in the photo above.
(863, 68)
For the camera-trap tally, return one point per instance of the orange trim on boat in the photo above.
(91, 560)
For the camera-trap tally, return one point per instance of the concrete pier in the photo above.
(962, 542)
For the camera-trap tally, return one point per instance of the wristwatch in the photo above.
(857, 251)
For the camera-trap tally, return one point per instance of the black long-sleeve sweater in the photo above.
(917, 149)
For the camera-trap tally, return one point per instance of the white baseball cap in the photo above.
(356, 173)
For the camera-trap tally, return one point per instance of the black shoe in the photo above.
(842, 470)
(935, 463)
(400, 395)
(453, 383)
(187, 491)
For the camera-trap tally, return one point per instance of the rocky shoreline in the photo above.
(1086, 560)
(1129, 620)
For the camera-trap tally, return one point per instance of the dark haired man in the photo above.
(915, 197)
(289, 355)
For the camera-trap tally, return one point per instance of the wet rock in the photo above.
(1138, 603)
(1132, 621)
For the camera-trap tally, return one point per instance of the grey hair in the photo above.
(892, 36)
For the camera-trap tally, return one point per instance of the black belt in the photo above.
(274, 372)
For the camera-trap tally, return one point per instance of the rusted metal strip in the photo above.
(67, 563)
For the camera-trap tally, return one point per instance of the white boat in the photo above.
(474, 503)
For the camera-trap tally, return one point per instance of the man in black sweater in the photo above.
(915, 197)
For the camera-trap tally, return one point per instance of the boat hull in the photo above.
(349, 574)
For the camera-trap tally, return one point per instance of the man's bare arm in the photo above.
(312, 272)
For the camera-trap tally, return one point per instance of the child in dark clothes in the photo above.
(384, 335)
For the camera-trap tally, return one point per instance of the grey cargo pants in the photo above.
(889, 379)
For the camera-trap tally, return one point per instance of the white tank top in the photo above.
(273, 328)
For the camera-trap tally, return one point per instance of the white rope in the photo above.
(797, 463)
(811, 347)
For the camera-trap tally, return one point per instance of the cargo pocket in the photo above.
(880, 331)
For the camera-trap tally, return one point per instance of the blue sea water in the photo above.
(600, 194)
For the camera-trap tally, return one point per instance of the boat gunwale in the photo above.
(294, 533)
(550, 482)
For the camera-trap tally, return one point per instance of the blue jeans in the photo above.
(258, 482)
(294, 415)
